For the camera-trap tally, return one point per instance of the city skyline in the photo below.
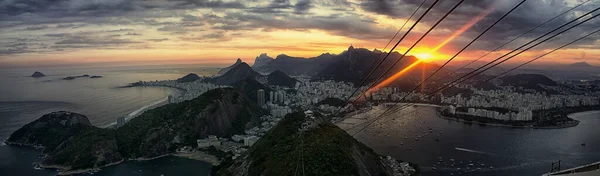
(218, 32)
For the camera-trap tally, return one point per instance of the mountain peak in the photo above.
(226, 69)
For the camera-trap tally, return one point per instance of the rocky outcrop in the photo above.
(226, 69)
(69, 142)
(261, 61)
(37, 74)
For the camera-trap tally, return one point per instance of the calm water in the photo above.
(24, 99)
(509, 151)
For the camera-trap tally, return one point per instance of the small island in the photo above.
(37, 74)
(95, 76)
(75, 77)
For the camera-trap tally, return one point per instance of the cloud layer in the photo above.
(50, 27)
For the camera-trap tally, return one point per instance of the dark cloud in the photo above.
(302, 6)
(158, 40)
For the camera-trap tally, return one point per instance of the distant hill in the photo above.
(226, 69)
(528, 81)
(189, 78)
(281, 79)
(237, 73)
(294, 65)
(581, 64)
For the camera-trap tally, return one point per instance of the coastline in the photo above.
(582, 113)
(155, 104)
(575, 123)
(199, 156)
(507, 126)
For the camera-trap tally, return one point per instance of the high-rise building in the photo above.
(274, 97)
(261, 98)
(271, 97)
(281, 98)
(120, 121)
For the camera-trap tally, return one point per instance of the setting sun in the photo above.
(424, 56)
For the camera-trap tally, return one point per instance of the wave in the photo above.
(471, 151)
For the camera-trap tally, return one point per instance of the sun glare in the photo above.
(424, 56)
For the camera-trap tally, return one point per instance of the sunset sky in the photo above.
(36, 33)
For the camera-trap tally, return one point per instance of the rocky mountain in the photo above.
(226, 69)
(189, 78)
(221, 112)
(37, 74)
(354, 65)
(237, 73)
(324, 149)
(69, 142)
(281, 79)
(295, 66)
(261, 61)
(74, 146)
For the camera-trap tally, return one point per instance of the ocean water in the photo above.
(24, 99)
(484, 150)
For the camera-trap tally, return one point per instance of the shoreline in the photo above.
(507, 126)
(160, 102)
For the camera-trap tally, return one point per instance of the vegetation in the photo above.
(85, 149)
(72, 143)
(154, 132)
(332, 102)
(322, 150)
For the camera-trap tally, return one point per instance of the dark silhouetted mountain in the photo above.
(69, 141)
(296, 65)
(37, 74)
(581, 64)
(261, 61)
(189, 78)
(281, 79)
(226, 69)
(353, 65)
(331, 152)
(528, 81)
(237, 73)
(249, 87)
